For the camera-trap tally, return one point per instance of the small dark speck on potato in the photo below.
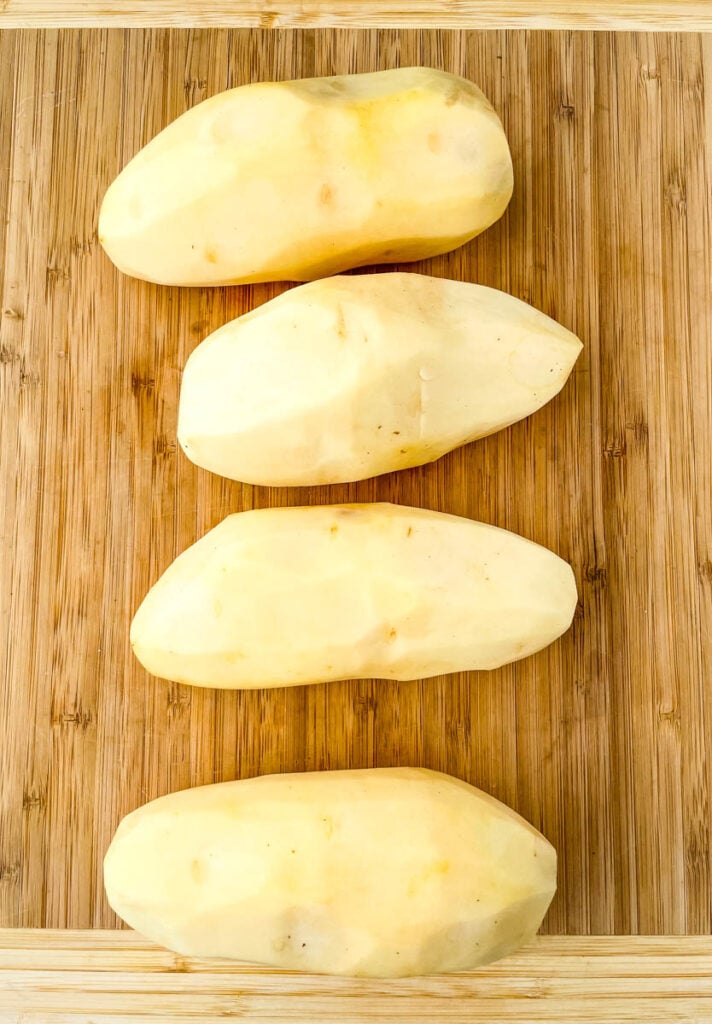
(396, 431)
(410, 531)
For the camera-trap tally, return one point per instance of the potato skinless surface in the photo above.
(297, 180)
(281, 597)
(382, 872)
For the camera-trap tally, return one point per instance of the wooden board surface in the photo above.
(603, 740)
(630, 15)
(115, 977)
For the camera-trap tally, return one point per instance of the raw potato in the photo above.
(349, 377)
(283, 596)
(297, 180)
(381, 872)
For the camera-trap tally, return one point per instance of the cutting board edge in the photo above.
(591, 15)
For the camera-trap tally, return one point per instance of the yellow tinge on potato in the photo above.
(382, 872)
(349, 377)
(297, 180)
(285, 596)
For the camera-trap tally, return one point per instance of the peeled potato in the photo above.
(283, 596)
(350, 377)
(297, 180)
(381, 872)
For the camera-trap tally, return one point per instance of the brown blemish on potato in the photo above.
(392, 635)
(341, 322)
(453, 95)
(326, 194)
(211, 254)
(434, 142)
(334, 530)
(410, 531)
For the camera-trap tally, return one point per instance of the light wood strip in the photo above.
(630, 15)
(58, 977)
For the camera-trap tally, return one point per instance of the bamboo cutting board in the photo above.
(603, 741)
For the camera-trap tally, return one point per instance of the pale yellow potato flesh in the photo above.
(286, 596)
(297, 180)
(349, 377)
(382, 872)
